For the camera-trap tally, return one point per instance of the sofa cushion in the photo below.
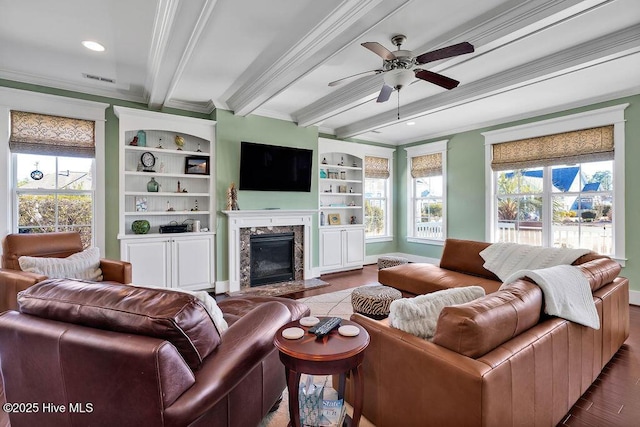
(475, 328)
(419, 315)
(421, 278)
(83, 265)
(177, 317)
(464, 256)
(600, 271)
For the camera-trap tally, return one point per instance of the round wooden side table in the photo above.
(332, 354)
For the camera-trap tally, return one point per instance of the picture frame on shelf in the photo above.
(196, 165)
(141, 204)
(334, 219)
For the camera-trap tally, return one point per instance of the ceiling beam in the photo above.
(281, 66)
(600, 50)
(172, 47)
(500, 26)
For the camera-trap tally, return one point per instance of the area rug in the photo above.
(283, 288)
(336, 304)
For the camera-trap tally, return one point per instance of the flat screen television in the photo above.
(274, 168)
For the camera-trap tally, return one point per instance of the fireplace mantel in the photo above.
(264, 218)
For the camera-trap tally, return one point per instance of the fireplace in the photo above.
(272, 258)
(243, 224)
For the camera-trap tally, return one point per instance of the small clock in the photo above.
(148, 161)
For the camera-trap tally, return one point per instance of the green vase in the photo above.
(140, 226)
(153, 186)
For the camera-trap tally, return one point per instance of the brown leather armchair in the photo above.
(54, 245)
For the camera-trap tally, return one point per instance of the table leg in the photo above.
(358, 394)
(293, 381)
(341, 385)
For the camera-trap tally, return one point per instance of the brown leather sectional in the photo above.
(496, 361)
(119, 355)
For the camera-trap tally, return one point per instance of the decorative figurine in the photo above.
(232, 198)
(352, 220)
(134, 141)
(199, 150)
(159, 143)
(179, 142)
(169, 207)
(324, 160)
(179, 190)
(162, 168)
(195, 208)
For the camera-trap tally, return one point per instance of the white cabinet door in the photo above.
(353, 247)
(193, 261)
(150, 261)
(330, 249)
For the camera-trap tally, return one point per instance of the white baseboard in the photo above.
(634, 297)
(222, 286)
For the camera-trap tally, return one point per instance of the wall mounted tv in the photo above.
(274, 168)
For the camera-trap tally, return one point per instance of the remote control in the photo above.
(325, 326)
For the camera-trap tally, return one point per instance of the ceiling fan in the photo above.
(400, 67)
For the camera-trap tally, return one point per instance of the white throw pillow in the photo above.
(83, 265)
(211, 306)
(419, 315)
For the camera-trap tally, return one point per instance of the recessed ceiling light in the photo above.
(93, 45)
(411, 123)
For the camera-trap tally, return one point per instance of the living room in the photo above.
(277, 94)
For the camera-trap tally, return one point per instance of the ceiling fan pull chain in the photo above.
(398, 104)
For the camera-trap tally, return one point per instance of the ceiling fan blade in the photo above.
(385, 93)
(379, 50)
(445, 52)
(355, 76)
(437, 79)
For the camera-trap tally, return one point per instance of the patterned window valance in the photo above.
(33, 133)
(579, 146)
(426, 166)
(376, 167)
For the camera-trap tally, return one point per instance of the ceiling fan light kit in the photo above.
(401, 67)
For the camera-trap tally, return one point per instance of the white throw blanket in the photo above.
(566, 291)
(504, 259)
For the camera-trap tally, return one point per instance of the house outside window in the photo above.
(559, 189)
(377, 194)
(427, 184)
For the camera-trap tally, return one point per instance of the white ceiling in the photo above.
(274, 58)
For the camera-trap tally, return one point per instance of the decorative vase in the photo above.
(142, 138)
(153, 186)
(140, 226)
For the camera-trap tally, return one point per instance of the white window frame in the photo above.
(34, 102)
(387, 153)
(421, 150)
(595, 118)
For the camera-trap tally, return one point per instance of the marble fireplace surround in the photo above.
(243, 223)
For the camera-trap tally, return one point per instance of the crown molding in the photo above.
(601, 50)
(114, 93)
(197, 107)
(339, 29)
(498, 27)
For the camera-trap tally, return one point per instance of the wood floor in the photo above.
(612, 400)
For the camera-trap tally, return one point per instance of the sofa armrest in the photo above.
(12, 282)
(115, 271)
(244, 345)
(402, 372)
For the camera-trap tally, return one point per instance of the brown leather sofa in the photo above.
(496, 361)
(54, 245)
(113, 354)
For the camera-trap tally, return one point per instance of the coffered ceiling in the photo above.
(275, 58)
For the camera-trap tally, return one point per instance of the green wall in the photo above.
(466, 189)
(231, 130)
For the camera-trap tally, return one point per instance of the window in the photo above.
(427, 183)
(54, 193)
(377, 194)
(560, 189)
